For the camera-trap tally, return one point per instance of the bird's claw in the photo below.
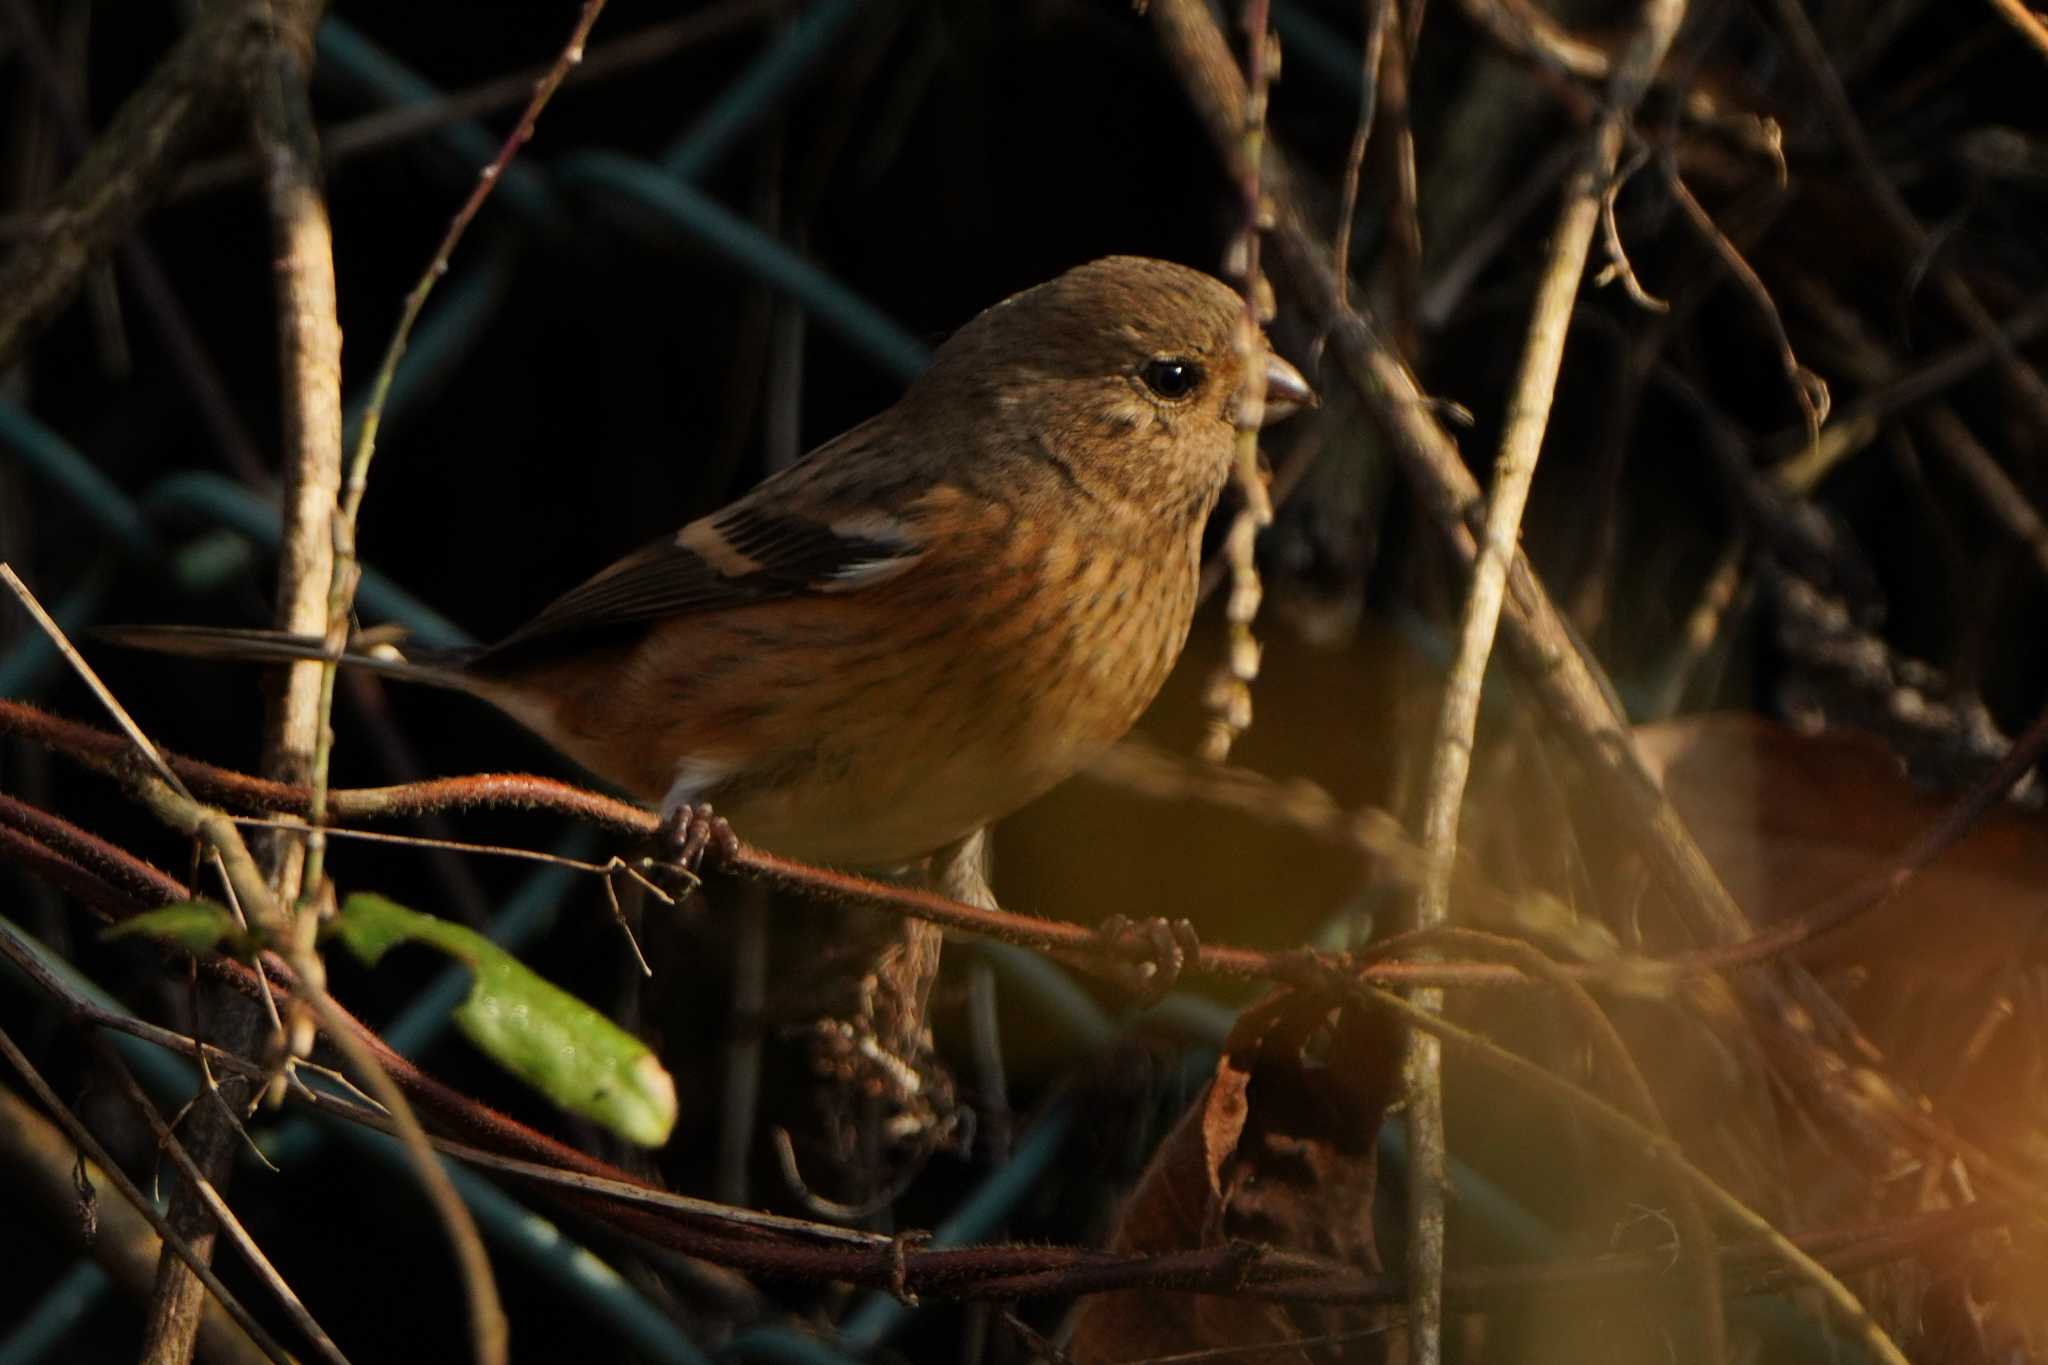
(691, 837)
(900, 1247)
(1163, 948)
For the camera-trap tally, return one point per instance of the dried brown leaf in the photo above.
(1278, 1151)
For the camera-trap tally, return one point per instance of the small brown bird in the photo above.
(928, 621)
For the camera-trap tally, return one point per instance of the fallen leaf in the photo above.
(1279, 1151)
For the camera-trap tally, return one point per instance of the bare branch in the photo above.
(1514, 470)
(141, 1202)
(42, 1166)
(130, 168)
(167, 1141)
(2030, 24)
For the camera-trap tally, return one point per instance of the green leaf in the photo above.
(197, 926)
(539, 1032)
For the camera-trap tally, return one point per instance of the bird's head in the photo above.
(1123, 377)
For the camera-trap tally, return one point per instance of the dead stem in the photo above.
(1451, 757)
(82, 1137)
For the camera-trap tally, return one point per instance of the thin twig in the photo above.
(1702, 628)
(2002, 497)
(531, 855)
(351, 138)
(1868, 893)
(1809, 390)
(1299, 805)
(46, 1171)
(1451, 759)
(2022, 378)
(1400, 271)
(62, 643)
(1618, 263)
(1379, 14)
(224, 1217)
(341, 595)
(1800, 465)
(168, 799)
(1525, 29)
(437, 265)
(145, 272)
(824, 1252)
(1656, 1149)
(128, 169)
(2030, 25)
(1450, 278)
(82, 1137)
(1703, 1250)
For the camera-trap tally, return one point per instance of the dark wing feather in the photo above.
(745, 554)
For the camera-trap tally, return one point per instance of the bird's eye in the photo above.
(1172, 377)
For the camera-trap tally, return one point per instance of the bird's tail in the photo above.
(434, 667)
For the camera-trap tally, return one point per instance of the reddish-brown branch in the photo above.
(113, 866)
(1384, 965)
(25, 850)
(501, 791)
(794, 1249)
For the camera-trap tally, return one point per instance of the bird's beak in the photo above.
(1286, 391)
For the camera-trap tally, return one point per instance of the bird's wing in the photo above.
(754, 551)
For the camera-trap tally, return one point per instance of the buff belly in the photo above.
(871, 734)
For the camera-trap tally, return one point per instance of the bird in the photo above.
(926, 622)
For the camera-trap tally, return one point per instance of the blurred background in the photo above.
(738, 230)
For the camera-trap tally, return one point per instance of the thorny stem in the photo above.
(1372, 832)
(487, 1315)
(832, 1252)
(168, 1338)
(1279, 1275)
(824, 1252)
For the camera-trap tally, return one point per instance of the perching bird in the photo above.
(925, 623)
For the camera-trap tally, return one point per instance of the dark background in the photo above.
(939, 158)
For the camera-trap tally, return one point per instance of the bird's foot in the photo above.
(689, 838)
(1162, 947)
(900, 1247)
